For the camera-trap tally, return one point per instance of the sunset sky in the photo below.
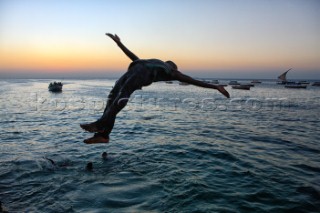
(223, 38)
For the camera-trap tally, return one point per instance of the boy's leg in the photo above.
(136, 77)
(94, 127)
(106, 123)
(115, 91)
(140, 77)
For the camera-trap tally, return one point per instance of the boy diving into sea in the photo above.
(141, 73)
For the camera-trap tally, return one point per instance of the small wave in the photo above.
(308, 168)
(310, 191)
(223, 155)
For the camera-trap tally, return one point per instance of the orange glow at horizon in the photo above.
(68, 58)
(263, 37)
(59, 60)
(71, 61)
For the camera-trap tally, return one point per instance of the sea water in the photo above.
(173, 149)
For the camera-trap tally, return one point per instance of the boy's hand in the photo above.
(114, 37)
(223, 91)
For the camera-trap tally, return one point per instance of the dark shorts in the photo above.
(137, 76)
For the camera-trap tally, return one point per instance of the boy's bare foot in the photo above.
(91, 127)
(97, 138)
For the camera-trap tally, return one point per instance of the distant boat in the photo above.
(242, 86)
(256, 82)
(234, 83)
(221, 85)
(283, 77)
(316, 84)
(215, 82)
(183, 83)
(169, 82)
(296, 85)
(304, 82)
(55, 87)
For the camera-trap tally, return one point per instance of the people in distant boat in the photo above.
(55, 86)
(141, 72)
(55, 83)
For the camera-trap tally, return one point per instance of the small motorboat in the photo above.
(316, 84)
(183, 83)
(214, 82)
(221, 85)
(304, 82)
(242, 86)
(256, 82)
(234, 83)
(296, 86)
(55, 87)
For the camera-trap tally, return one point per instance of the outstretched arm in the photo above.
(116, 39)
(187, 79)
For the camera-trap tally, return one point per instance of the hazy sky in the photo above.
(223, 38)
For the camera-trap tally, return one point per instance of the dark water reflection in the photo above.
(174, 149)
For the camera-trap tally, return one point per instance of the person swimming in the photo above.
(140, 73)
(104, 156)
(89, 166)
(63, 164)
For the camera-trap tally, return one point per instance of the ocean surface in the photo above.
(173, 149)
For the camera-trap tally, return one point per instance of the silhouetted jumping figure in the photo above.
(141, 73)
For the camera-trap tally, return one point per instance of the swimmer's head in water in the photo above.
(172, 65)
(104, 155)
(89, 166)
